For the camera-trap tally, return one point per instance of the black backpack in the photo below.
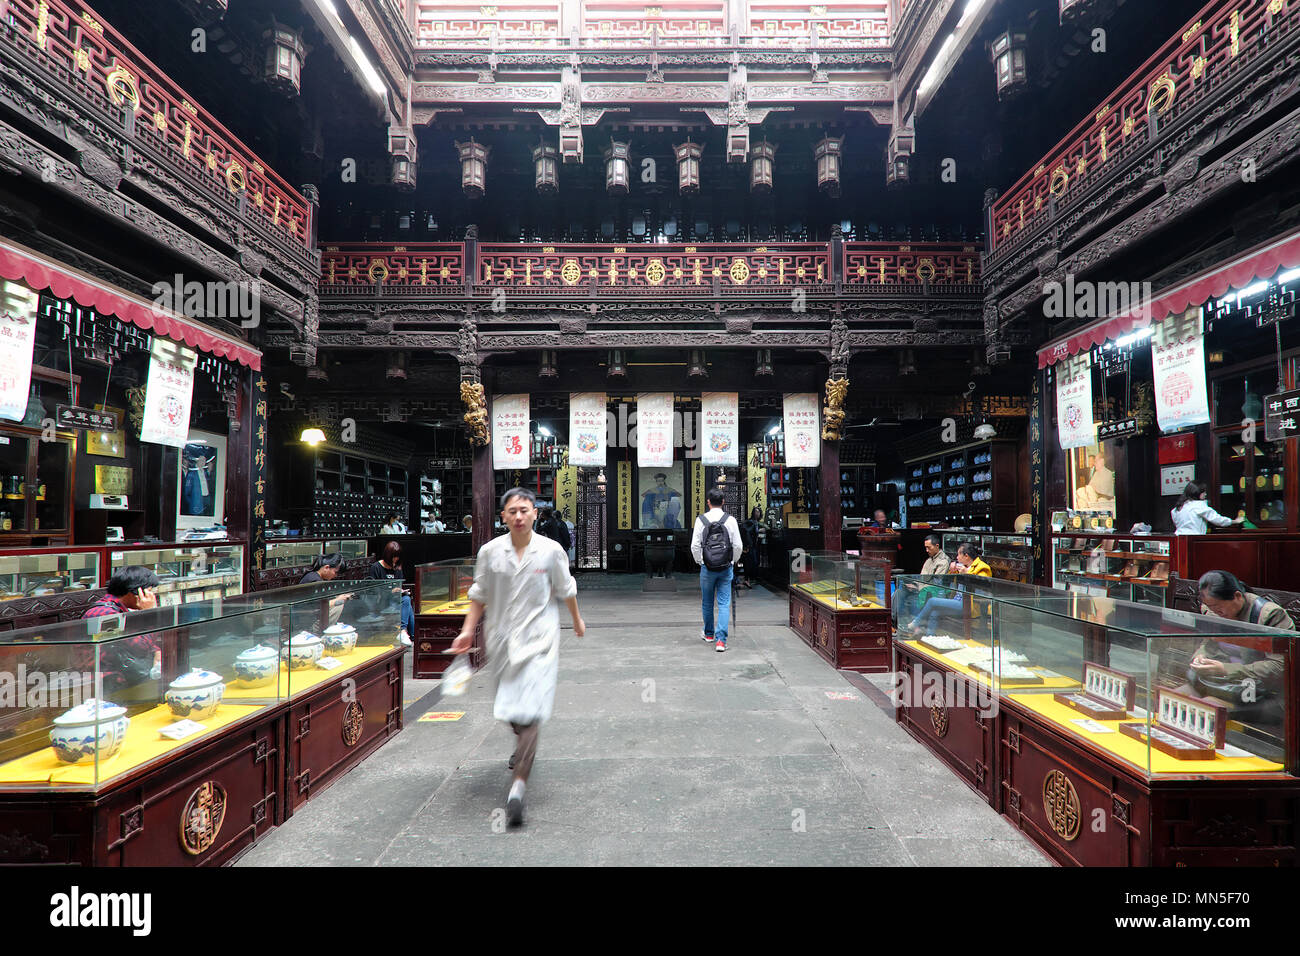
(717, 544)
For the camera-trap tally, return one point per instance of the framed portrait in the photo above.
(1092, 478)
(661, 496)
(201, 482)
(108, 444)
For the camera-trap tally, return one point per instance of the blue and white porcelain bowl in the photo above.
(93, 726)
(196, 695)
(257, 666)
(340, 639)
(302, 651)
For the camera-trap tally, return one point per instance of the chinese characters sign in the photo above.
(624, 495)
(510, 431)
(168, 394)
(719, 428)
(587, 429)
(1074, 421)
(1178, 367)
(1282, 415)
(802, 429)
(17, 336)
(654, 429)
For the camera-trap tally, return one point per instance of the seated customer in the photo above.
(326, 568)
(130, 661)
(968, 562)
(389, 567)
(1241, 675)
(936, 564)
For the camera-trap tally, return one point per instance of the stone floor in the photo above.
(661, 752)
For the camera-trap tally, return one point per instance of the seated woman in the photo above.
(389, 567)
(968, 562)
(326, 567)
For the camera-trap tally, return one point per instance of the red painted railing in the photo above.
(70, 40)
(644, 268)
(1220, 41)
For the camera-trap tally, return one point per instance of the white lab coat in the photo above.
(1195, 517)
(521, 622)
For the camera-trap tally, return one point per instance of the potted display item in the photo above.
(302, 650)
(93, 727)
(340, 639)
(196, 695)
(257, 666)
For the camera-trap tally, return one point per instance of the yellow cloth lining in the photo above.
(1134, 751)
(1057, 682)
(295, 682)
(459, 606)
(829, 601)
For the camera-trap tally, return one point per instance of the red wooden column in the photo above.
(830, 495)
(483, 510)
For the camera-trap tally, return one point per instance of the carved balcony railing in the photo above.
(647, 270)
(1221, 43)
(97, 68)
(659, 23)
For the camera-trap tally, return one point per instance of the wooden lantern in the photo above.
(828, 153)
(546, 169)
(618, 174)
(473, 167)
(282, 69)
(1009, 52)
(688, 167)
(761, 167)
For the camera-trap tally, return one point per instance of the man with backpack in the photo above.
(716, 547)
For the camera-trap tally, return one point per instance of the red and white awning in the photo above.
(20, 264)
(1263, 262)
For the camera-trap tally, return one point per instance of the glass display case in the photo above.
(107, 696)
(1157, 690)
(188, 573)
(352, 549)
(443, 586)
(1011, 556)
(36, 481)
(290, 553)
(1133, 568)
(53, 572)
(846, 583)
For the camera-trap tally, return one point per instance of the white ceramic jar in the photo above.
(257, 666)
(93, 726)
(340, 639)
(196, 695)
(302, 650)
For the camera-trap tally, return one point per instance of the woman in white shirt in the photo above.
(1193, 514)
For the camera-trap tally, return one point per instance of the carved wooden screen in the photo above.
(589, 528)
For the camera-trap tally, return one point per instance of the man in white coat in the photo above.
(519, 579)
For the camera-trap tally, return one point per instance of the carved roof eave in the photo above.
(478, 58)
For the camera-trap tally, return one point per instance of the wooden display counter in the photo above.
(853, 639)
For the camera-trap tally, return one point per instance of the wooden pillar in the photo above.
(830, 496)
(484, 490)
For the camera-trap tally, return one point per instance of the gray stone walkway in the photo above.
(661, 752)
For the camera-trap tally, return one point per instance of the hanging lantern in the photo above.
(1074, 9)
(618, 175)
(284, 52)
(761, 168)
(907, 362)
(617, 364)
(473, 167)
(548, 367)
(697, 368)
(396, 370)
(688, 167)
(402, 145)
(763, 362)
(320, 372)
(1009, 57)
(828, 153)
(546, 168)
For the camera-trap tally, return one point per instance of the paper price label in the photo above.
(181, 729)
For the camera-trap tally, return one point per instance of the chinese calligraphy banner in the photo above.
(720, 428)
(624, 495)
(802, 414)
(17, 337)
(757, 496)
(510, 431)
(1074, 422)
(1178, 367)
(587, 429)
(654, 429)
(566, 493)
(168, 394)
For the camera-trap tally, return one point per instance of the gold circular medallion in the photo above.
(378, 270)
(121, 86)
(739, 271)
(1061, 805)
(353, 721)
(939, 720)
(655, 272)
(1162, 95)
(202, 817)
(570, 272)
(235, 171)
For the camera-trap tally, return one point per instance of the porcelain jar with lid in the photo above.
(196, 695)
(257, 666)
(93, 726)
(340, 639)
(302, 650)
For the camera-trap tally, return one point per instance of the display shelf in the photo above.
(1087, 561)
(441, 601)
(840, 607)
(942, 486)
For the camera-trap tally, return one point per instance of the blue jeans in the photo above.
(408, 615)
(936, 606)
(716, 584)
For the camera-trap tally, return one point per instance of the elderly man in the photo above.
(519, 578)
(936, 564)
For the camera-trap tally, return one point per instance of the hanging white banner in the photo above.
(510, 427)
(720, 428)
(1074, 424)
(17, 337)
(168, 394)
(1178, 368)
(654, 429)
(587, 428)
(802, 421)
